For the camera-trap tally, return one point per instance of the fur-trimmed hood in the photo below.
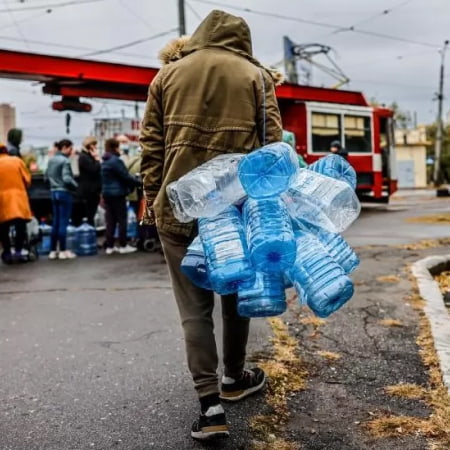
(221, 30)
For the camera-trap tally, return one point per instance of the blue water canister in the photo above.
(318, 278)
(269, 234)
(193, 265)
(268, 171)
(86, 239)
(339, 250)
(44, 246)
(226, 251)
(71, 240)
(336, 167)
(265, 297)
(131, 223)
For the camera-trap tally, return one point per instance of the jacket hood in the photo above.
(218, 29)
(15, 136)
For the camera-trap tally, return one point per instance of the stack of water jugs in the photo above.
(265, 225)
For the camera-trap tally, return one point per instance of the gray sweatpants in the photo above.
(195, 307)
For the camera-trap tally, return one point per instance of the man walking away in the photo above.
(337, 149)
(211, 97)
(90, 181)
(117, 183)
(14, 139)
(62, 186)
(14, 205)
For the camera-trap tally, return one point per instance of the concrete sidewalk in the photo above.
(371, 344)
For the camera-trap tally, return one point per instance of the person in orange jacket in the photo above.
(14, 205)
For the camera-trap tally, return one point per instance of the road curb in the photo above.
(435, 309)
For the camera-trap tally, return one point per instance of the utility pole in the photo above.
(181, 18)
(439, 124)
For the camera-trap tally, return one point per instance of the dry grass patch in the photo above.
(388, 279)
(443, 279)
(407, 390)
(331, 356)
(313, 320)
(391, 323)
(391, 426)
(427, 243)
(439, 219)
(287, 375)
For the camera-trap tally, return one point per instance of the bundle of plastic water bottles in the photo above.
(266, 225)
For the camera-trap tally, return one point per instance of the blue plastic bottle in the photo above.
(86, 239)
(263, 298)
(336, 167)
(339, 250)
(226, 251)
(269, 233)
(318, 278)
(71, 242)
(268, 171)
(131, 223)
(45, 243)
(194, 265)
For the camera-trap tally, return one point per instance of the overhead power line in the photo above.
(16, 24)
(52, 5)
(317, 23)
(129, 44)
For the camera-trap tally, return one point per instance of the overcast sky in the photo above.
(404, 69)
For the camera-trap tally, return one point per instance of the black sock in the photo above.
(209, 400)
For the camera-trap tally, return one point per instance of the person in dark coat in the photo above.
(117, 183)
(337, 149)
(90, 181)
(14, 139)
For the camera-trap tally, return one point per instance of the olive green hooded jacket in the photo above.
(211, 97)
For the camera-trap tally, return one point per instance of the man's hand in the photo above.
(149, 214)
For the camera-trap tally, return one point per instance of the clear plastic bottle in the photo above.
(194, 265)
(268, 171)
(208, 189)
(45, 241)
(336, 167)
(131, 223)
(86, 239)
(71, 241)
(265, 297)
(322, 201)
(339, 250)
(269, 234)
(319, 280)
(226, 252)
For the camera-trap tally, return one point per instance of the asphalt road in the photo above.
(91, 352)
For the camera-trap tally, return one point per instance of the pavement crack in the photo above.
(144, 337)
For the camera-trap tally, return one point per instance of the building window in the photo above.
(358, 137)
(326, 128)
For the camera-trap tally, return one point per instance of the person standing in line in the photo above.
(14, 205)
(90, 181)
(231, 108)
(62, 186)
(14, 139)
(124, 148)
(117, 183)
(337, 149)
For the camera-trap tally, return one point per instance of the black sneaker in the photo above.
(211, 425)
(250, 382)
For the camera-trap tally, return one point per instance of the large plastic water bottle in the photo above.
(207, 190)
(268, 171)
(131, 223)
(269, 234)
(71, 241)
(265, 297)
(226, 251)
(336, 167)
(321, 201)
(86, 239)
(44, 246)
(339, 250)
(193, 265)
(319, 280)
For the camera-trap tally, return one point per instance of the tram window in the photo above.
(326, 128)
(358, 136)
